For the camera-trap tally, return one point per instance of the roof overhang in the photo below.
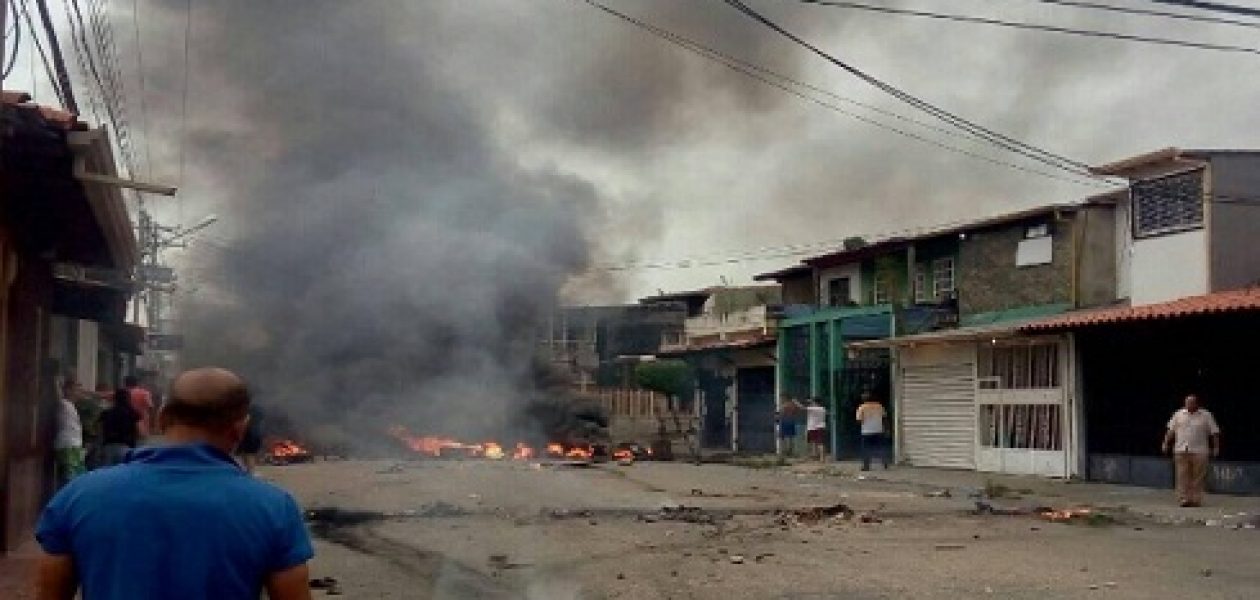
(785, 273)
(993, 332)
(1217, 303)
(94, 166)
(1150, 164)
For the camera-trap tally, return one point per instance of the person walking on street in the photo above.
(789, 417)
(1191, 437)
(871, 415)
(68, 443)
(816, 429)
(120, 429)
(180, 520)
(142, 401)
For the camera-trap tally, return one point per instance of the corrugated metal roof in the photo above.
(1234, 301)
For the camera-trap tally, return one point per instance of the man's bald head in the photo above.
(207, 398)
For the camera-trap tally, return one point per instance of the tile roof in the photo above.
(1233, 301)
(61, 118)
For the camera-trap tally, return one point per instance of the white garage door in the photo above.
(938, 414)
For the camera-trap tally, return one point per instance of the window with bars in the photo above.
(1167, 204)
(881, 290)
(1023, 426)
(943, 278)
(1019, 367)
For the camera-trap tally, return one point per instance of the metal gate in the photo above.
(938, 408)
(868, 372)
(754, 389)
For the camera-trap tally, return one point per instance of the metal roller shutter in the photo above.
(938, 415)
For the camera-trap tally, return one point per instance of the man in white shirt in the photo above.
(68, 444)
(1192, 436)
(871, 415)
(816, 429)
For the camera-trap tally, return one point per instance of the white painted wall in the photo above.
(86, 354)
(1124, 252)
(852, 271)
(1169, 267)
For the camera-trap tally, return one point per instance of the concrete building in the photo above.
(729, 343)
(67, 252)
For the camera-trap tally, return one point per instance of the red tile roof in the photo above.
(1234, 301)
(64, 119)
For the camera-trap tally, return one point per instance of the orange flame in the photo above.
(554, 449)
(578, 453)
(492, 451)
(623, 455)
(287, 449)
(522, 452)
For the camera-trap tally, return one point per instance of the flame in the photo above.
(623, 455)
(287, 449)
(430, 445)
(554, 449)
(522, 452)
(578, 452)
(1064, 515)
(492, 451)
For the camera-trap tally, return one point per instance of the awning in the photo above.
(731, 345)
(1234, 301)
(991, 331)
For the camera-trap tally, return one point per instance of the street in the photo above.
(485, 529)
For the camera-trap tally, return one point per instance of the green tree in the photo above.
(670, 377)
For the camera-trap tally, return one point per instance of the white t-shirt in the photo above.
(1192, 430)
(69, 427)
(871, 414)
(815, 418)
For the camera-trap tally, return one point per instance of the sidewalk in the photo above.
(17, 572)
(1235, 512)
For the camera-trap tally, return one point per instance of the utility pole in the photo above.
(156, 279)
(59, 63)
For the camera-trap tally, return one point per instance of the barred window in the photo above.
(1168, 204)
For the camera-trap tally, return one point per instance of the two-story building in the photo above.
(1189, 311)
(931, 323)
(729, 342)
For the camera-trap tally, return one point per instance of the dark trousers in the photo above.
(873, 443)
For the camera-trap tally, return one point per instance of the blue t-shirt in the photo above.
(181, 522)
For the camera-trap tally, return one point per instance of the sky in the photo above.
(691, 160)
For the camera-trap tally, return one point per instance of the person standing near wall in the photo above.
(142, 402)
(68, 443)
(1192, 437)
(120, 429)
(789, 416)
(816, 429)
(871, 415)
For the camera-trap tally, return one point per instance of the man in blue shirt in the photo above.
(181, 520)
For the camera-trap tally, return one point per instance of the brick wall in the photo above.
(988, 279)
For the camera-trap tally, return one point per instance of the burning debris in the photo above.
(285, 452)
(446, 447)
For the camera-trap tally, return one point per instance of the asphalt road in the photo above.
(472, 529)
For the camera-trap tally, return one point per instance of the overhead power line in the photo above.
(1151, 13)
(53, 81)
(1046, 157)
(784, 83)
(1213, 7)
(1035, 26)
(6, 70)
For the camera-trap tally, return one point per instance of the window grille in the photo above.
(1167, 204)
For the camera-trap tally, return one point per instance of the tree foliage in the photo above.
(670, 377)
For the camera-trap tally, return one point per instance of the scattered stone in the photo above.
(1212, 523)
(763, 557)
(1093, 586)
(870, 517)
(950, 546)
(737, 559)
(593, 522)
(621, 575)
(1110, 585)
(942, 493)
(1206, 572)
(673, 573)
